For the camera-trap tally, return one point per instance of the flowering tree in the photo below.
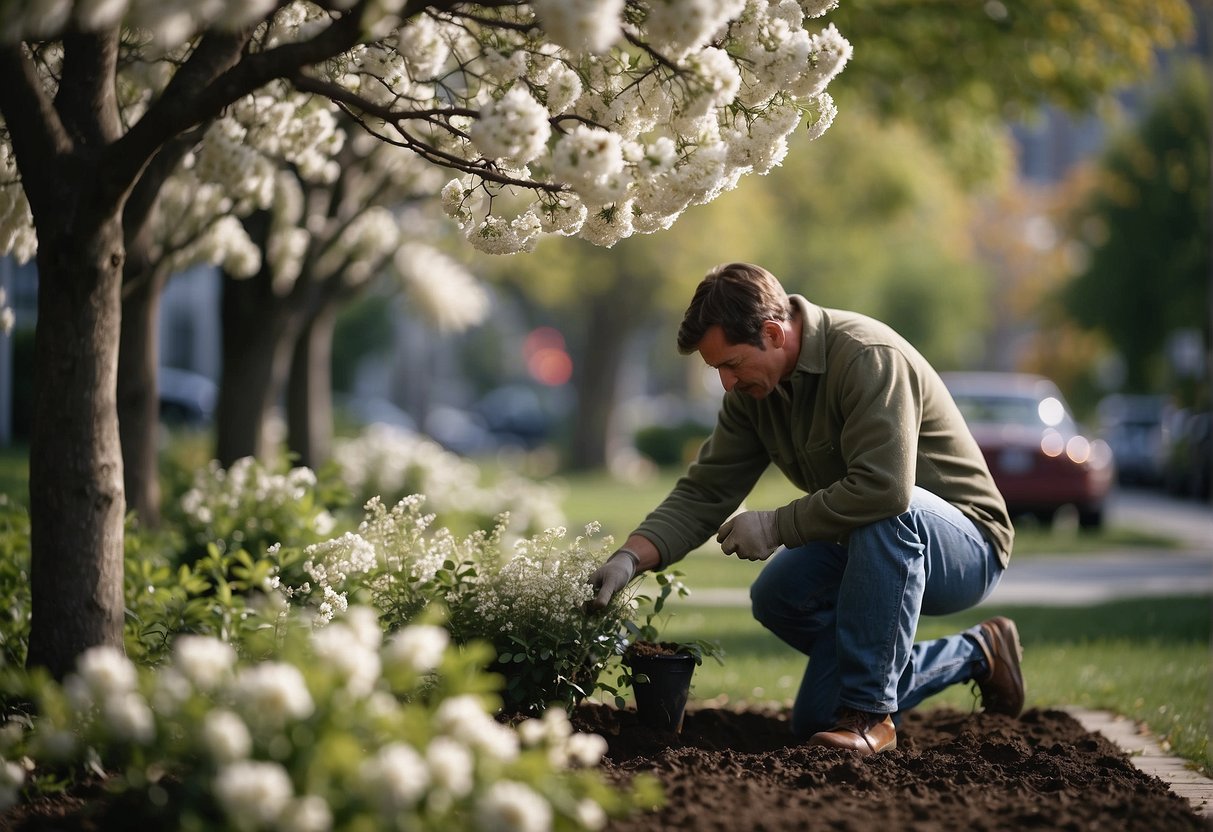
(322, 242)
(591, 118)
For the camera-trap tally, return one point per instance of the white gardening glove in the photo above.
(612, 576)
(751, 535)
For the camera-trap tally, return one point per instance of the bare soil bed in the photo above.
(742, 770)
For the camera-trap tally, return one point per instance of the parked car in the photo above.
(1135, 427)
(1040, 459)
(187, 399)
(1188, 471)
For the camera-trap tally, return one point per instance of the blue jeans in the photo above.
(854, 609)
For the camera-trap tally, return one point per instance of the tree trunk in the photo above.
(77, 503)
(608, 329)
(138, 398)
(258, 338)
(310, 391)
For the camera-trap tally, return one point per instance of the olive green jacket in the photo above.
(861, 420)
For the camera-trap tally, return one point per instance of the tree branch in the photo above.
(86, 100)
(37, 135)
(219, 73)
(350, 102)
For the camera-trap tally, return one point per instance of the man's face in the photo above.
(743, 367)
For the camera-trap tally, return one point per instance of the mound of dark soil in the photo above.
(742, 770)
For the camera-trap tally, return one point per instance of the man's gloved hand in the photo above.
(751, 535)
(613, 576)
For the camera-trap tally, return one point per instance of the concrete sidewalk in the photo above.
(1067, 580)
(1146, 753)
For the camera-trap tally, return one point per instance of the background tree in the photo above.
(1146, 232)
(557, 119)
(891, 239)
(962, 71)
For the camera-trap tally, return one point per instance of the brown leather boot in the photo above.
(1002, 690)
(859, 731)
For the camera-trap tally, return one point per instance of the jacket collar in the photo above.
(812, 357)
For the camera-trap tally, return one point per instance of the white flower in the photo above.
(829, 53)
(12, 778)
(106, 671)
(585, 749)
(128, 716)
(451, 766)
(514, 807)
(580, 25)
(589, 814)
(465, 719)
(819, 114)
(590, 161)
(226, 736)
(419, 647)
(445, 293)
(514, 127)
(309, 813)
(339, 648)
(205, 661)
(253, 792)
(273, 692)
(397, 776)
(674, 27)
(816, 8)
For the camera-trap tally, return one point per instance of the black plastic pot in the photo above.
(661, 701)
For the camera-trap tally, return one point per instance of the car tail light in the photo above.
(1078, 449)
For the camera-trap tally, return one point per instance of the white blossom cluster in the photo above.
(544, 581)
(238, 731)
(393, 463)
(575, 130)
(444, 293)
(570, 117)
(247, 482)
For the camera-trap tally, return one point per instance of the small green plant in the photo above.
(646, 631)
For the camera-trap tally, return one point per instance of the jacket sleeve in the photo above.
(728, 465)
(879, 407)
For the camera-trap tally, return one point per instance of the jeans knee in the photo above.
(892, 535)
(766, 598)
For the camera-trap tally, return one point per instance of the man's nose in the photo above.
(728, 379)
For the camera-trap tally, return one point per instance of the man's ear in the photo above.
(775, 331)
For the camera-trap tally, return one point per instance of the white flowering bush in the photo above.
(253, 506)
(341, 730)
(392, 463)
(529, 602)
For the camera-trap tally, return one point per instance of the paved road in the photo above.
(1090, 578)
(1063, 580)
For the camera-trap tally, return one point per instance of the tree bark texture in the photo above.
(77, 503)
(138, 398)
(310, 392)
(608, 325)
(258, 340)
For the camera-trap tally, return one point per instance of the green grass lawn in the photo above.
(14, 473)
(619, 507)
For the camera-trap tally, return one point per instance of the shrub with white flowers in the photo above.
(394, 734)
(530, 602)
(392, 463)
(252, 506)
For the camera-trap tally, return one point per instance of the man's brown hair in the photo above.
(739, 297)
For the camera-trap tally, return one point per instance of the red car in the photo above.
(1040, 459)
